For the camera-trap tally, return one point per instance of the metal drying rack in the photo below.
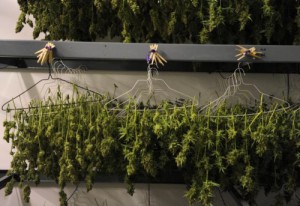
(132, 56)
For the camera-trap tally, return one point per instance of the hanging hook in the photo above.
(242, 71)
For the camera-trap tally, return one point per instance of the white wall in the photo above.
(115, 194)
(108, 194)
(9, 12)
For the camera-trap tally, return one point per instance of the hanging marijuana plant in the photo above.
(198, 21)
(74, 138)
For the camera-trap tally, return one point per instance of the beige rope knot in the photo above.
(154, 57)
(45, 55)
(251, 52)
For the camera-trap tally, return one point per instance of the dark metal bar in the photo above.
(138, 51)
(4, 180)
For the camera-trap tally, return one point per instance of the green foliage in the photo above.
(26, 193)
(74, 138)
(197, 21)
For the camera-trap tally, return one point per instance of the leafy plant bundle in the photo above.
(72, 139)
(197, 21)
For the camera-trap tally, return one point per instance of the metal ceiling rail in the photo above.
(108, 51)
(138, 51)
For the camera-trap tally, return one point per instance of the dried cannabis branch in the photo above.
(198, 21)
(74, 138)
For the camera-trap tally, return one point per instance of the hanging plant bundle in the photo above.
(73, 139)
(58, 137)
(197, 21)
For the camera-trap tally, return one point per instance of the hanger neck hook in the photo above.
(152, 69)
(149, 79)
(241, 72)
(239, 65)
(49, 70)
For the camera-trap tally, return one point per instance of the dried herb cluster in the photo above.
(73, 139)
(198, 21)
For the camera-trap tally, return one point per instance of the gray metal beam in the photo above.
(138, 51)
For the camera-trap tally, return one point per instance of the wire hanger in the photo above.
(235, 86)
(241, 73)
(59, 68)
(45, 55)
(144, 90)
(147, 90)
(50, 77)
